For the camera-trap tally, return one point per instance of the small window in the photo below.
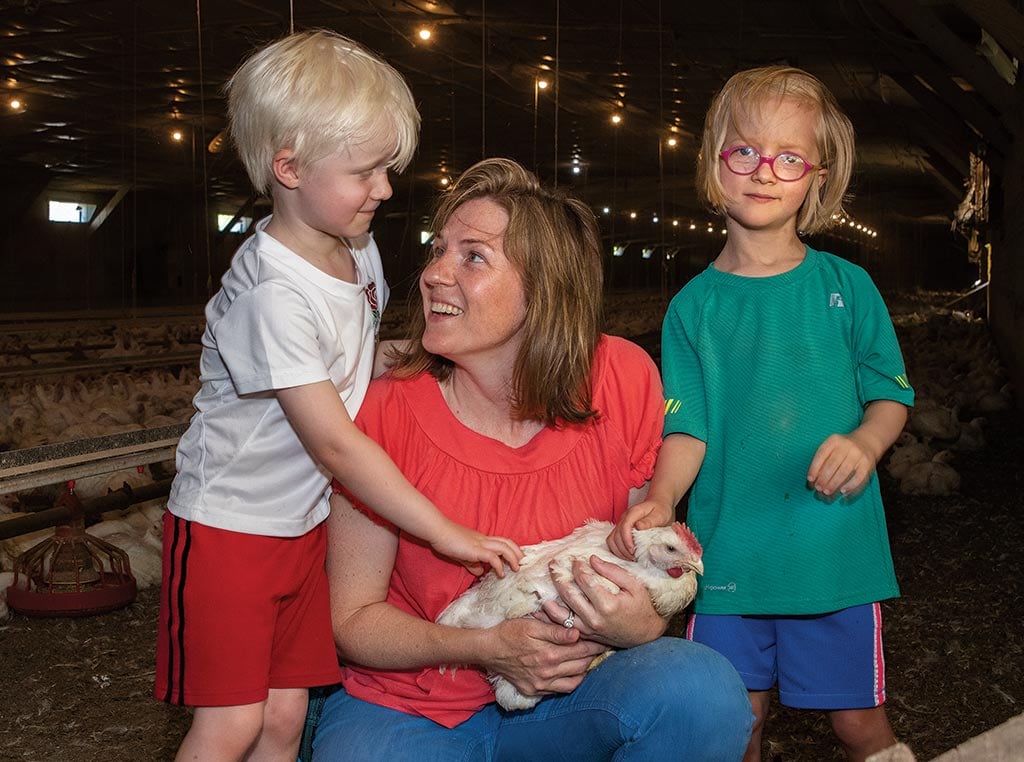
(241, 224)
(71, 211)
(426, 237)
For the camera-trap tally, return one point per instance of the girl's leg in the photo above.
(862, 732)
(668, 695)
(759, 701)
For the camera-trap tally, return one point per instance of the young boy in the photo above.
(288, 352)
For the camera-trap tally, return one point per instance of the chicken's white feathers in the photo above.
(667, 562)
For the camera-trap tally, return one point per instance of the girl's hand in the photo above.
(476, 551)
(842, 464)
(540, 658)
(620, 618)
(640, 516)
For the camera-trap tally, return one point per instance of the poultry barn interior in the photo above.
(125, 201)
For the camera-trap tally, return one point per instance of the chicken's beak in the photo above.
(697, 566)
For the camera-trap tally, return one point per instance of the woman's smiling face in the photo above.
(474, 300)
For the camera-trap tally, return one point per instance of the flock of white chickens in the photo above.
(960, 385)
(951, 361)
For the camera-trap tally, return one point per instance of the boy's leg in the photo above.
(669, 697)
(221, 733)
(283, 717)
(862, 732)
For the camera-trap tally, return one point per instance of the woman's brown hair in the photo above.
(554, 242)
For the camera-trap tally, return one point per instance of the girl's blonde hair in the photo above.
(316, 92)
(554, 243)
(748, 92)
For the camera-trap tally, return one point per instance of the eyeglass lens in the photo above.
(786, 166)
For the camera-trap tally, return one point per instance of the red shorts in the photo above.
(240, 614)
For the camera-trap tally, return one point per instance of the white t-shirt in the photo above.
(276, 322)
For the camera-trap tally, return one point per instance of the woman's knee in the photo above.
(687, 672)
(683, 695)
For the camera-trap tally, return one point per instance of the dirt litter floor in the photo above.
(80, 689)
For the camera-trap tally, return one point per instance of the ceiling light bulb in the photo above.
(542, 84)
(616, 118)
(424, 34)
(15, 104)
(632, 215)
(177, 136)
(672, 142)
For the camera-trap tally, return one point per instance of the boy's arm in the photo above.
(678, 462)
(321, 421)
(845, 462)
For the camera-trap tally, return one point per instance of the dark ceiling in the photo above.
(102, 84)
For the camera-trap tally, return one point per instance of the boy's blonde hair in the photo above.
(554, 242)
(748, 92)
(314, 93)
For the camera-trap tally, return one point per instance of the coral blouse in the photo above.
(540, 491)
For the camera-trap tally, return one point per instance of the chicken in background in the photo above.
(668, 560)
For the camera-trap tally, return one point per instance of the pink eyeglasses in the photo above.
(745, 160)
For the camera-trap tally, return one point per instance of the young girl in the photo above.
(784, 386)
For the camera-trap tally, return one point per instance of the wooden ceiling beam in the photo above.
(999, 19)
(951, 122)
(960, 58)
(970, 108)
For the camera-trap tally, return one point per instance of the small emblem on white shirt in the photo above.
(835, 300)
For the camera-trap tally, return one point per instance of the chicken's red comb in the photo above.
(689, 538)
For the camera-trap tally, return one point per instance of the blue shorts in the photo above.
(828, 661)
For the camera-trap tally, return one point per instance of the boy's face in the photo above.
(339, 194)
(760, 200)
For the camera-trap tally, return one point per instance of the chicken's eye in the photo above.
(670, 548)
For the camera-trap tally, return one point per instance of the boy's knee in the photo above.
(285, 715)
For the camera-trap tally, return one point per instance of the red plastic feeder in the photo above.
(71, 573)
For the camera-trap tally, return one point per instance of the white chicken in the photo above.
(667, 562)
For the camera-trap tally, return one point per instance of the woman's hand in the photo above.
(474, 549)
(540, 658)
(621, 619)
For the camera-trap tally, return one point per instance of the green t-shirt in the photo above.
(763, 370)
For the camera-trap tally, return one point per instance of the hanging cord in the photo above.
(202, 148)
(291, 16)
(483, 80)
(558, 30)
(661, 163)
(135, 155)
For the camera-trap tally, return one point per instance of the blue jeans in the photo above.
(669, 699)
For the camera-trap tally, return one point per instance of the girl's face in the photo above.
(760, 201)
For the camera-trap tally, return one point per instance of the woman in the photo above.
(517, 417)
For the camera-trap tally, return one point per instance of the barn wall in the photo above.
(1006, 294)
